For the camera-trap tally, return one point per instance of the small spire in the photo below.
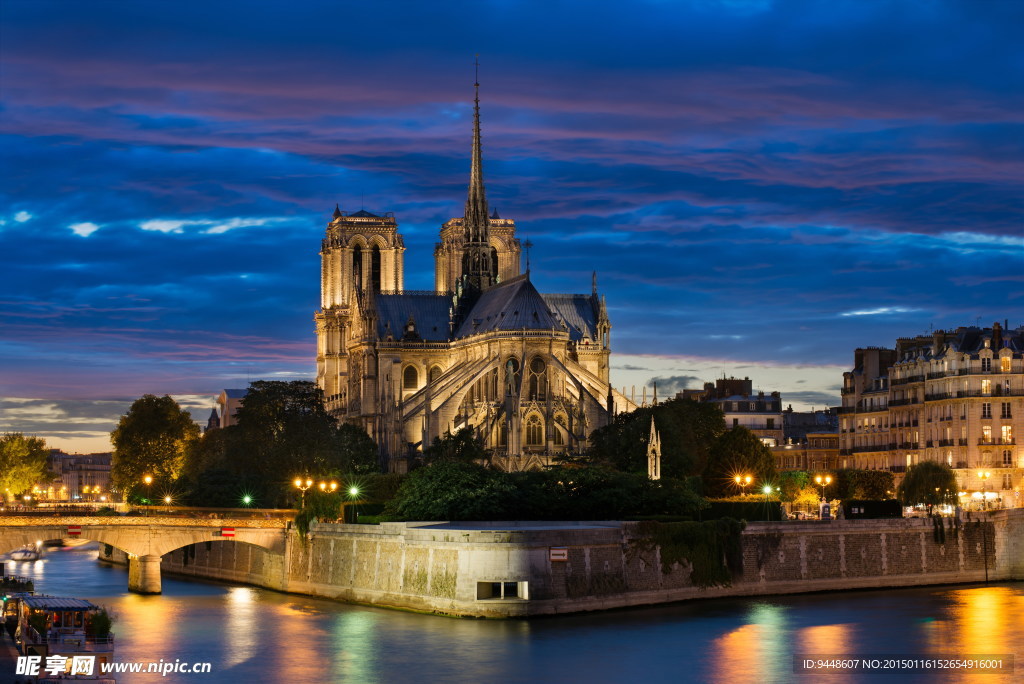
(494, 214)
(593, 283)
(337, 211)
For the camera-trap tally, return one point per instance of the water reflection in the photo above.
(257, 635)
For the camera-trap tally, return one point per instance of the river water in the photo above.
(254, 635)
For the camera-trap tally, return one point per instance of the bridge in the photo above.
(143, 538)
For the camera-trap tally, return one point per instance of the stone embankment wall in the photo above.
(509, 570)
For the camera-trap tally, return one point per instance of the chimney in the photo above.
(997, 336)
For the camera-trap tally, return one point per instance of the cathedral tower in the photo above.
(362, 253)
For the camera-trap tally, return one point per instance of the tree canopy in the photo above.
(282, 432)
(688, 430)
(152, 438)
(464, 446)
(22, 464)
(737, 452)
(928, 483)
(459, 490)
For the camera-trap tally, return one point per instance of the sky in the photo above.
(761, 185)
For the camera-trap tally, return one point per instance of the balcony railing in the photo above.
(999, 441)
(910, 445)
(946, 442)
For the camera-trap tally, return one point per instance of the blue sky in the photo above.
(761, 186)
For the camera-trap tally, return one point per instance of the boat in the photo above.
(67, 633)
(27, 553)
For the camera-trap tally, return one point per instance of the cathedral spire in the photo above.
(478, 266)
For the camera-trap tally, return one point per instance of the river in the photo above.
(254, 635)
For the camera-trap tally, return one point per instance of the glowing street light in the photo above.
(823, 482)
(743, 481)
(984, 475)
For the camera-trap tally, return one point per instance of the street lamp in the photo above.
(302, 487)
(743, 481)
(823, 482)
(984, 475)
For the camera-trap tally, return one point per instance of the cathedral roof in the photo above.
(362, 213)
(578, 313)
(428, 310)
(512, 305)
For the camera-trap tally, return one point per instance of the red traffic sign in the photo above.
(227, 531)
(74, 530)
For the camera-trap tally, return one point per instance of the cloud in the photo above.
(675, 383)
(22, 216)
(83, 229)
(881, 311)
(209, 226)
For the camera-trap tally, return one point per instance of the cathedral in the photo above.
(528, 371)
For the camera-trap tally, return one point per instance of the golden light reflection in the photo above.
(758, 651)
(241, 631)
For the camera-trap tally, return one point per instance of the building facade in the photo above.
(485, 349)
(953, 397)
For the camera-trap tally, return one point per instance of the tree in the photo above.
(688, 429)
(359, 453)
(929, 483)
(152, 438)
(462, 446)
(22, 464)
(851, 483)
(283, 431)
(737, 452)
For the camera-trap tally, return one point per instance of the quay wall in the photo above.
(456, 569)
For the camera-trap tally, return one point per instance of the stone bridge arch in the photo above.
(145, 539)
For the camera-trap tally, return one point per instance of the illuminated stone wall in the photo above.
(453, 569)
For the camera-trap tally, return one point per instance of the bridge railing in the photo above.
(140, 520)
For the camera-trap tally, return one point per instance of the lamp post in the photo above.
(743, 481)
(984, 475)
(302, 486)
(148, 479)
(823, 482)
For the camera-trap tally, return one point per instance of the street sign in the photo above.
(74, 530)
(558, 553)
(227, 531)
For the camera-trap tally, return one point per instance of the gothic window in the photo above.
(410, 378)
(559, 426)
(538, 379)
(357, 267)
(534, 431)
(435, 373)
(503, 434)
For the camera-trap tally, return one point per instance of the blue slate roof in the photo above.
(512, 305)
(578, 313)
(428, 310)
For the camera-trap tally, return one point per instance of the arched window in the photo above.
(376, 281)
(410, 378)
(534, 431)
(538, 379)
(435, 373)
(559, 426)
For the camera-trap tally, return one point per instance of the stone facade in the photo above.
(953, 397)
